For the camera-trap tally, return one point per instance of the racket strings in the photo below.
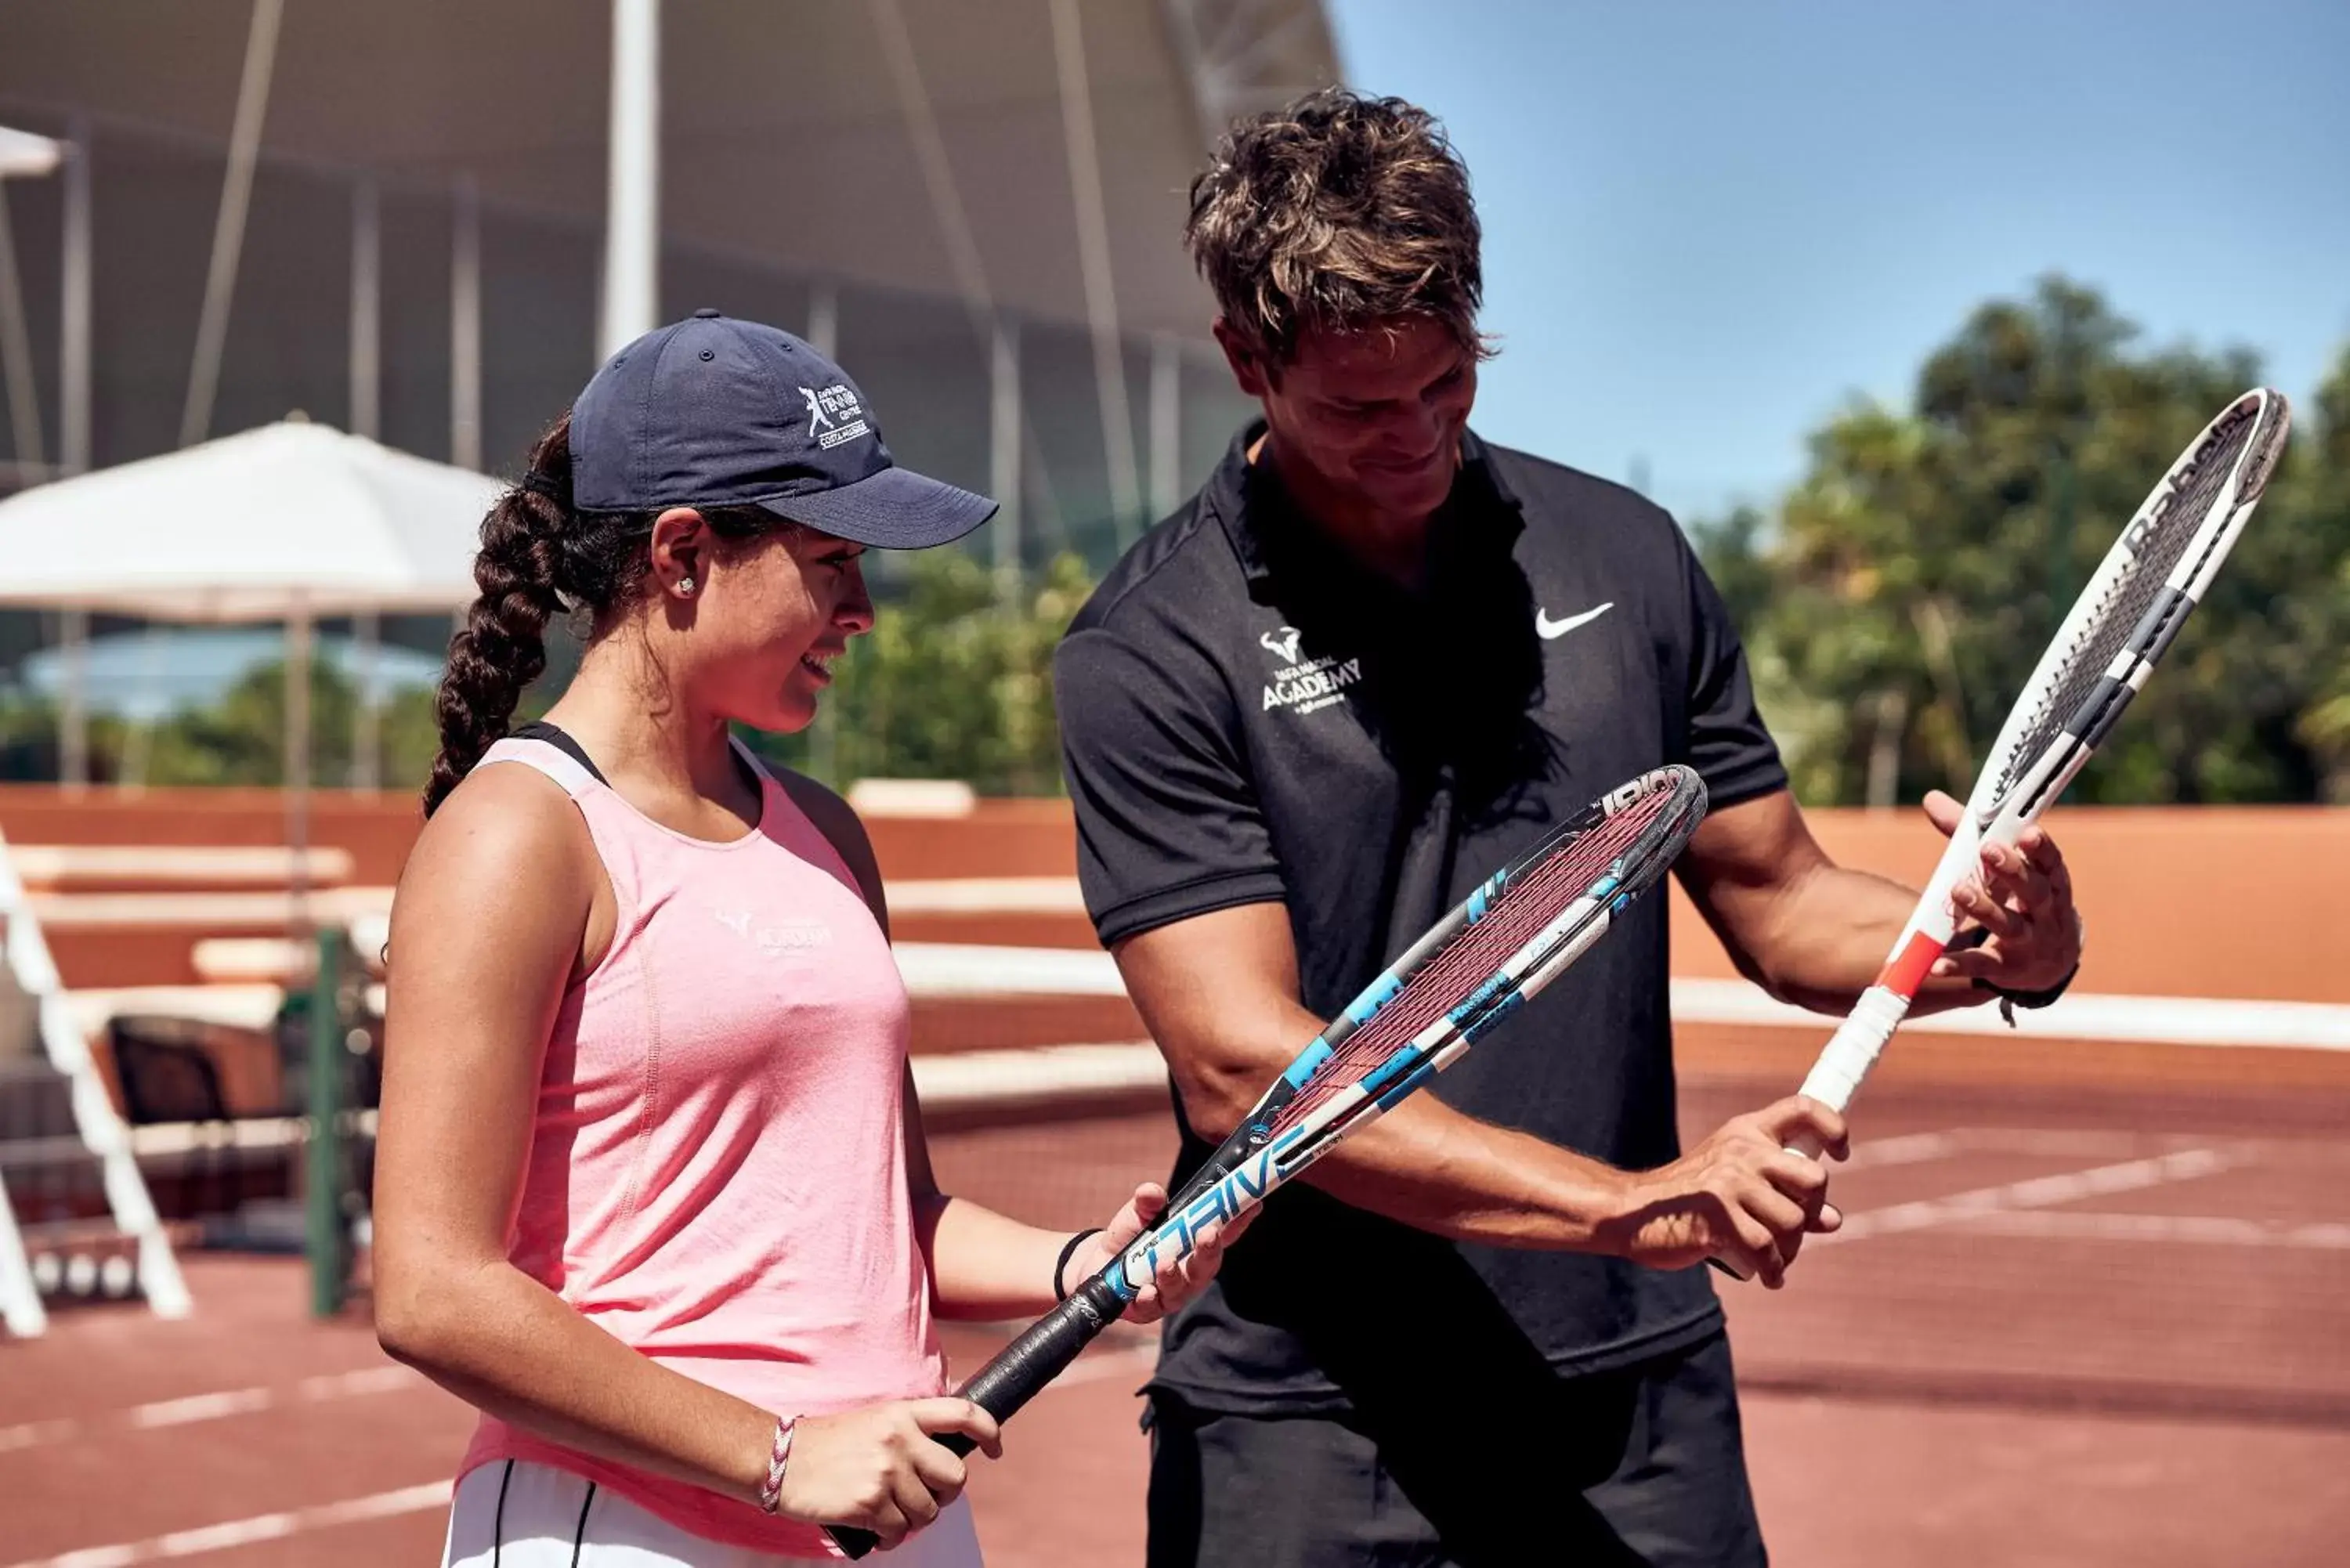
(1525, 907)
(2128, 595)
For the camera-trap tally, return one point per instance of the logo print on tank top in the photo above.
(789, 937)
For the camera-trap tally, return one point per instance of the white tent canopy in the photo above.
(290, 521)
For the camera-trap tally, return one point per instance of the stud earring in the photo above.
(685, 587)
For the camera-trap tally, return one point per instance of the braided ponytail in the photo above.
(502, 647)
(541, 556)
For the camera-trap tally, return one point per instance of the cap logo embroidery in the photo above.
(834, 415)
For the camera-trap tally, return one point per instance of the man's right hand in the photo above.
(1741, 1195)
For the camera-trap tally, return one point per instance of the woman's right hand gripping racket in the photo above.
(1512, 937)
(2119, 627)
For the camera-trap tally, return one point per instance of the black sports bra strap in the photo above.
(560, 739)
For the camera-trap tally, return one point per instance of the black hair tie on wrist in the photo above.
(1068, 1251)
(2009, 1000)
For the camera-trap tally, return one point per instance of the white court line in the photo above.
(2040, 1192)
(957, 969)
(2051, 1143)
(82, 911)
(1908, 1148)
(43, 864)
(245, 1532)
(220, 1406)
(2091, 1015)
(2210, 1230)
(32, 1434)
(970, 969)
(202, 1407)
(980, 1077)
(988, 896)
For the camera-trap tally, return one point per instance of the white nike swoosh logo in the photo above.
(1547, 627)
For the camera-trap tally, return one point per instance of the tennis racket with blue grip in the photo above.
(2159, 567)
(1489, 957)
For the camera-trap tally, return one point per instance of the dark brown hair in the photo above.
(1337, 211)
(540, 558)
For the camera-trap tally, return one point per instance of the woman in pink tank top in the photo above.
(652, 1191)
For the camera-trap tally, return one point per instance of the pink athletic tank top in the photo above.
(717, 1169)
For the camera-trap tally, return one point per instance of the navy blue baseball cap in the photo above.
(712, 412)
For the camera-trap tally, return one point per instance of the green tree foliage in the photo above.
(239, 739)
(1893, 604)
(2319, 491)
(1918, 569)
(955, 681)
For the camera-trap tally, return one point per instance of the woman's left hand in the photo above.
(1177, 1281)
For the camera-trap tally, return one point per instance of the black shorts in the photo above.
(1644, 1466)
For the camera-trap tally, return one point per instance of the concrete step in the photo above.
(1009, 929)
(107, 941)
(995, 911)
(171, 868)
(953, 1024)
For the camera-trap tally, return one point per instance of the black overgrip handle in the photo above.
(1020, 1372)
(852, 1541)
(1022, 1368)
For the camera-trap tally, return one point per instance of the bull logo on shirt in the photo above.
(1283, 643)
(1302, 684)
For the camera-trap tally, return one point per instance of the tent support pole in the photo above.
(297, 769)
(73, 711)
(632, 207)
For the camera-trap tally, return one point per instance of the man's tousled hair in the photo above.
(1338, 211)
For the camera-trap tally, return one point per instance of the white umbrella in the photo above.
(289, 521)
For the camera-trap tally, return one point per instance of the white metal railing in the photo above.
(102, 1131)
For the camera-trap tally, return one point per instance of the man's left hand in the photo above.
(2020, 897)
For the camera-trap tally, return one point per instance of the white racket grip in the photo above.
(1853, 1049)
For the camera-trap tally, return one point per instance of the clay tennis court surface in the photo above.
(2093, 1307)
(2078, 1327)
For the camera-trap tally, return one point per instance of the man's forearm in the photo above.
(1832, 934)
(1433, 1167)
(1219, 993)
(1438, 1170)
(1738, 1194)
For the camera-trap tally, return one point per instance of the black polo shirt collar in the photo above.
(1249, 502)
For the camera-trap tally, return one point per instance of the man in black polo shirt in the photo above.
(1374, 660)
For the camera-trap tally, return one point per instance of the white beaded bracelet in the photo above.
(771, 1493)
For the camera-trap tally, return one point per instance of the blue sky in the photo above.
(1709, 224)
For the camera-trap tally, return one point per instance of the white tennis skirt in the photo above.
(516, 1514)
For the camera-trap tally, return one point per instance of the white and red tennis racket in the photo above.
(2121, 623)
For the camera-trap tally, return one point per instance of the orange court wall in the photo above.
(2234, 901)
